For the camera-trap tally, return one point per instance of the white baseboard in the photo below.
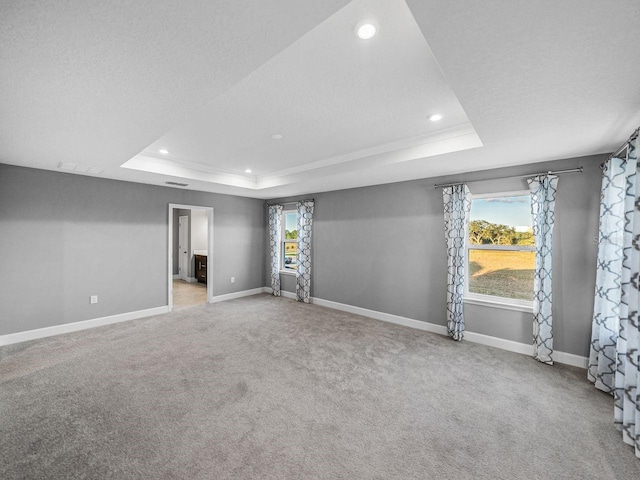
(510, 345)
(188, 279)
(385, 317)
(498, 342)
(525, 349)
(76, 326)
(571, 359)
(243, 293)
(283, 293)
(517, 347)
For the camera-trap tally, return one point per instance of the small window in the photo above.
(501, 249)
(289, 261)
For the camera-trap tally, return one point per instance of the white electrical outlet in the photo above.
(233, 279)
(93, 299)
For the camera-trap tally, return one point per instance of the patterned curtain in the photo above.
(303, 273)
(617, 297)
(457, 203)
(275, 232)
(543, 198)
(616, 205)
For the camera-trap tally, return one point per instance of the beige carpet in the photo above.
(267, 388)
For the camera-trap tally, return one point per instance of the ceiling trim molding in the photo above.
(147, 163)
(201, 167)
(448, 140)
(444, 134)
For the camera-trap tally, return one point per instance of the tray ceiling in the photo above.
(108, 89)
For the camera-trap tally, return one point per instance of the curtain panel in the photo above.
(616, 206)
(275, 241)
(303, 273)
(457, 204)
(614, 359)
(543, 190)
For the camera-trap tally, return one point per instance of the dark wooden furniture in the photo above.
(201, 268)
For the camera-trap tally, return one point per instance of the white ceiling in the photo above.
(101, 86)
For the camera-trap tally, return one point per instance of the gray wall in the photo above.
(382, 248)
(65, 237)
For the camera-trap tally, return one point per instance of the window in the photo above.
(500, 250)
(289, 260)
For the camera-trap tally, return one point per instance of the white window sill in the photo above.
(496, 303)
(288, 272)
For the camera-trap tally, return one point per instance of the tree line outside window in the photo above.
(482, 232)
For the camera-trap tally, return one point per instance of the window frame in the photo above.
(494, 300)
(283, 224)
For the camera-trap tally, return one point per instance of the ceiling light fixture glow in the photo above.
(163, 151)
(248, 170)
(366, 31)
(276, 136)
(436, 117)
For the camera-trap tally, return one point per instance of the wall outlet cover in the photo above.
(93, 299)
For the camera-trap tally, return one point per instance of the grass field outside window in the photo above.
(502, 273)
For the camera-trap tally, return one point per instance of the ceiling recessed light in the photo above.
(435, 117)
(366, 31)
(248, 170)
(164, 151)
(276, 136)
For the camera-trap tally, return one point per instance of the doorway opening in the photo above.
(190, 255)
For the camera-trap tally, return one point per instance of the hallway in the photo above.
(188, 294)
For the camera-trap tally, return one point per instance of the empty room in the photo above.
(295, 239)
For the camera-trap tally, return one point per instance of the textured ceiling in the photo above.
(101, 85)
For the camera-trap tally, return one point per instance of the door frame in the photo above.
(183, 275)
(209, 211)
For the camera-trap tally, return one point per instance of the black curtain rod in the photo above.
(291, 203)
(557, 172)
